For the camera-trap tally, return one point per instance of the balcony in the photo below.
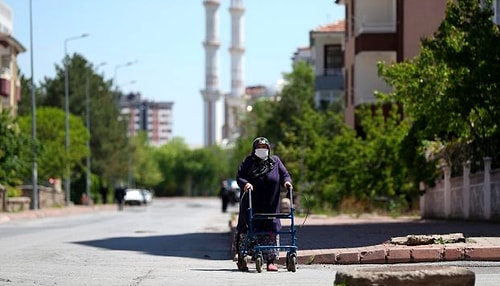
(375, 16)
(331, 79)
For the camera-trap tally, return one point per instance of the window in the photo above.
(334, 59)
(5, 62)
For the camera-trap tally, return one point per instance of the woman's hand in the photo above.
(247, 187)
(288, 185)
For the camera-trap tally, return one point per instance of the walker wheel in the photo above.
(259, 262)
(292, 262)
(242, 263)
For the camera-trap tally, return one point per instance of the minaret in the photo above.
(211, 92)
(235, 100)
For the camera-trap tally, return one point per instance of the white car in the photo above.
(134, 197)
(148, 196)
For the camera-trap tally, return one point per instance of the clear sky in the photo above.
(165, 38)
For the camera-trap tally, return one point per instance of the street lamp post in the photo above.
(128, 133)
(66, 102)
(127, 64)
(33, 116)
(87, 121)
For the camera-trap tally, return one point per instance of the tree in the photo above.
(170, 161)
(16, 151)
(145, 167)
(296, 97)
(53, 158)
(451, 90)
(109, 142)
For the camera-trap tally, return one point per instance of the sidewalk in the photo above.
(51, 212)
(367, 240)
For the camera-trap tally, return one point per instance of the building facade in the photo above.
(10, 48)
(154, 118)
(327, 51)
(382, 30)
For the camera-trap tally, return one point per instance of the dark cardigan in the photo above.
(265, 195)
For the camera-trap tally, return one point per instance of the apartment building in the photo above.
(327, 51)
(303, 54)
(382, 30)
(10, 85)
(325, 54)
(153, 117)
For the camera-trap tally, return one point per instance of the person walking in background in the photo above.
(263, 174)
(120, 196)
(224, 195)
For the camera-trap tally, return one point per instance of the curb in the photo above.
(391, 255)
(406, 276)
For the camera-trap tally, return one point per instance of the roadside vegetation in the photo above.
(444, 109)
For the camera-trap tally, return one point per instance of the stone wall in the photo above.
(47, 197)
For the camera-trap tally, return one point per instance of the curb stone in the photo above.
(406, 276)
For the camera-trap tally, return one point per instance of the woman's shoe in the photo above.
(271, 267)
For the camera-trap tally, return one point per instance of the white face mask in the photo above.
(262, 153)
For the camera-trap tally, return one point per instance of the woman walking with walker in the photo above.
(263, 174)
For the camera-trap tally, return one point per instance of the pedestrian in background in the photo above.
(224, 195)
(263, 174)
(120, 196)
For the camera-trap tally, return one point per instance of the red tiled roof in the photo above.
(337, 26)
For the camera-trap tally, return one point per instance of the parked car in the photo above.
(229, 193)
(148, 196)
(134, 197)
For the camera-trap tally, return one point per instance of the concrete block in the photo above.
(351, 257)
(486, 253)
(406, 276)
(453, 253)
(372, 256)
(427, 254)
(322, 258)
(398, 255)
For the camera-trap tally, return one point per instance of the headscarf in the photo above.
(261, 166)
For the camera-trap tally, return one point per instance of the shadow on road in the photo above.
(211, 246)
(217, 246)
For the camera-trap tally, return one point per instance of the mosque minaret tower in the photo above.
(211, 93)
(235, 101)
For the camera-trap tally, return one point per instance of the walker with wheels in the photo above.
(253, 249)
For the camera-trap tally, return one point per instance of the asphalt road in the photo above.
(171, 242)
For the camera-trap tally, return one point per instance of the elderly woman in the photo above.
(263, 174)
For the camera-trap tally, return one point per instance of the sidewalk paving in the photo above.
(51, 212)
(366, 240)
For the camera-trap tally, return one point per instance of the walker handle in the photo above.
(249, 191)
(290, 193)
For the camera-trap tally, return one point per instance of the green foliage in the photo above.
(171, 158)
(16, 151)
(53, 158)
(451, 90)
(145, 167)
(109, 143)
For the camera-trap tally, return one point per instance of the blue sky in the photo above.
(165, 38)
